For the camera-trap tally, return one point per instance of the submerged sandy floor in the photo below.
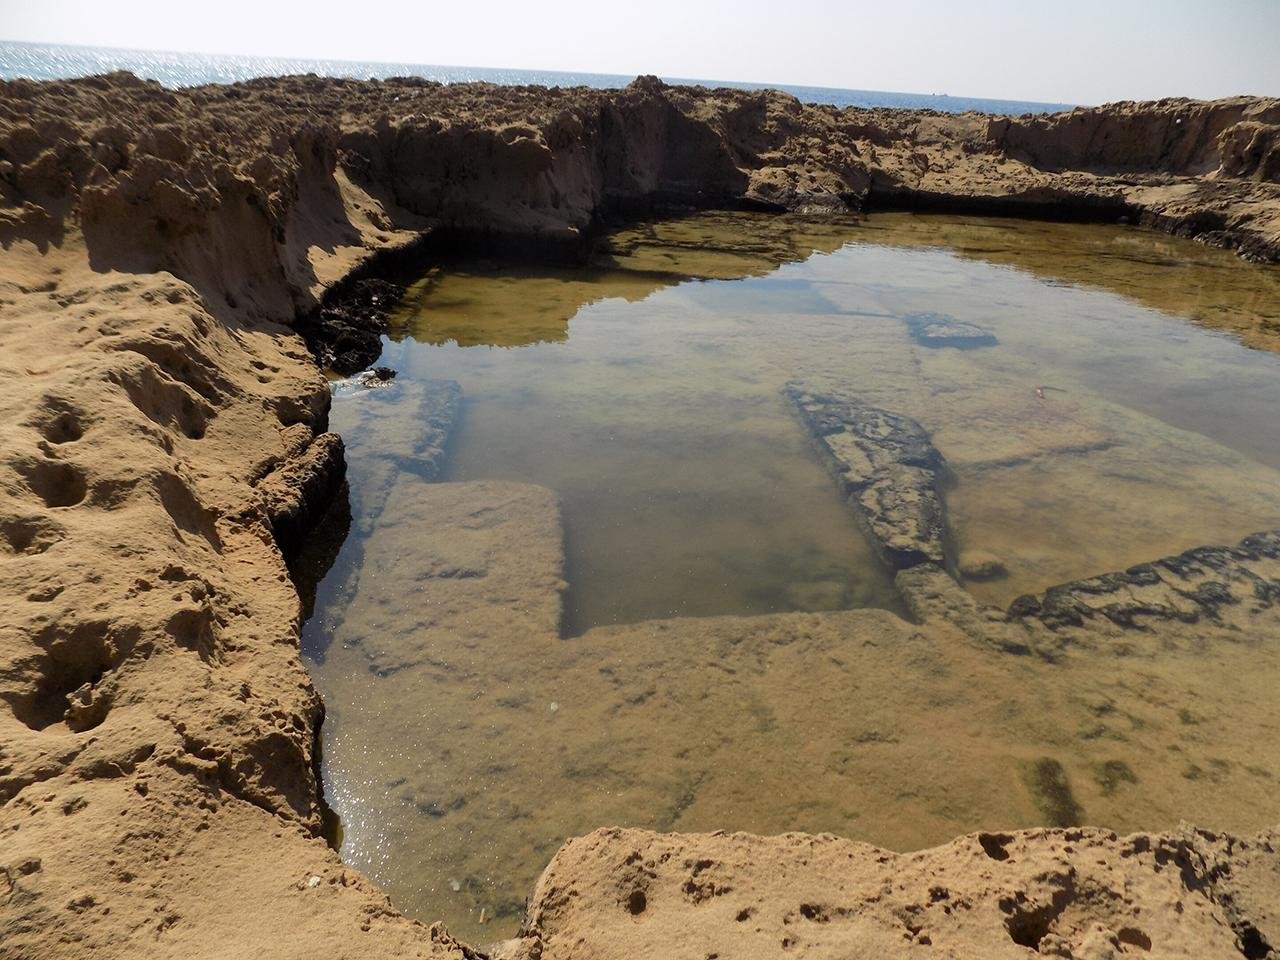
(466, 739)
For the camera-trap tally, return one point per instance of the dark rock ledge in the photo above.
(345, 333)
(1216, 584)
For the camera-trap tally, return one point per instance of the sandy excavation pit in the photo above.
(172, 263)
(743, 415)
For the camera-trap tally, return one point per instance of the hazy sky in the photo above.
(1077, 51)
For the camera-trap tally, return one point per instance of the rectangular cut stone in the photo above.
(472, 562)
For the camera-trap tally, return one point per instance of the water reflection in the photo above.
(482, 303)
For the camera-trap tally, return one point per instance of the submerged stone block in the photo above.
(407, 421)
(944, 330)
(887, 467)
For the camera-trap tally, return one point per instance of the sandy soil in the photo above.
(163, 445)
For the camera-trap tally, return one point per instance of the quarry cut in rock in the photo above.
(165, 443)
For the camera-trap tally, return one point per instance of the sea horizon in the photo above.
(21, 59)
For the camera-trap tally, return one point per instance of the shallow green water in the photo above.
(1104, 428)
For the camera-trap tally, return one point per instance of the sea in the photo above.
(44, 61)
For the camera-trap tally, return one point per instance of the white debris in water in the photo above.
(554, 706)
(455, 885)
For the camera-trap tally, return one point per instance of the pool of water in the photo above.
(684, 485)
(1110, 417)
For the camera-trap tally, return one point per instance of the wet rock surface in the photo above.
(894, 477)
(887, 467)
